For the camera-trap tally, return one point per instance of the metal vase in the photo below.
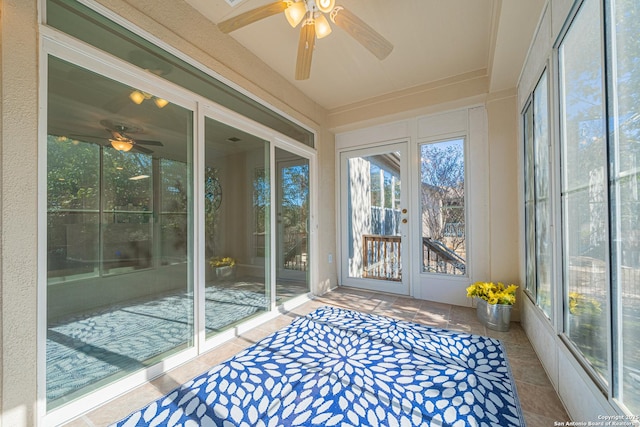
(494, 316)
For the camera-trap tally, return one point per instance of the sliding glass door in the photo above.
(292, 236)
(236, 225)
(161, 229)
(119, 220)
(121, 235)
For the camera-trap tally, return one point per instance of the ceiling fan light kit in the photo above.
(315, 25)
(323, 29)
(325, 6)
(295, 12)
(138, 97)
(121, 145)
(160, 102)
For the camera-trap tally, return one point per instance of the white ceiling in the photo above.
(433, 40)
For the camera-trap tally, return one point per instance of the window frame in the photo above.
(603, 381)
(532, 289)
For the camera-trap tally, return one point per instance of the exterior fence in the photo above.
(381, 257)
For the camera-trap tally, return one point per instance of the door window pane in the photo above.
(237, 195)
(625, 152)
(119, 294)
(292, 241)
(584, 187)
(443, 214)
(373, 223)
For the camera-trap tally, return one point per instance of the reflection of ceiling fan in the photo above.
(314, 24)
(121, 139)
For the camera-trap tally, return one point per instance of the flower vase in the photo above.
(225, 272)
(494, 316)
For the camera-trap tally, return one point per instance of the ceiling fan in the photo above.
(314, 25)
(121, 138)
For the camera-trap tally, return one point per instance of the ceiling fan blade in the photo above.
(76, 136)
(305, 49)
(362, 32)
(252, 16)
(149, 142)
(140, 149)
(94, 139)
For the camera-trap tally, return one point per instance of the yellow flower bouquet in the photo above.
(217, 261)
(580, 304)
(493, 293)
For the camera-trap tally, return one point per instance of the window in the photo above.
(598, 197)
(624, 153)
(529, 202)
(537, 200)
(584, 188)
(442, 196)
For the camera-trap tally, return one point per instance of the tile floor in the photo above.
(539, 401)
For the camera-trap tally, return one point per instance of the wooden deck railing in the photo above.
(381, 257)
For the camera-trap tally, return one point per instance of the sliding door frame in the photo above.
(59, 45)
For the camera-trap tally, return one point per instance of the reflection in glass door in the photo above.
(375, 216)
(236, 226)
(119, 220)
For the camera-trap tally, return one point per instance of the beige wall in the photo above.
(19, 210)
(504, 184)
(326, 202)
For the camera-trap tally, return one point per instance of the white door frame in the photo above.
(468, 122)
(401, 287)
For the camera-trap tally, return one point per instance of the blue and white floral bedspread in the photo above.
(337, 367)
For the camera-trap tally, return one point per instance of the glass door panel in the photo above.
(375, 219)
(292, 239)
(237, 196)
(119, 221)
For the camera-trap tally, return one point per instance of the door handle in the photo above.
(404, 220)
(404, 211)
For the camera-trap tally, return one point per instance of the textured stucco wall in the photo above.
(503, 188)
(19, 164)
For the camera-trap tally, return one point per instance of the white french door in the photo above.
(375, 218)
